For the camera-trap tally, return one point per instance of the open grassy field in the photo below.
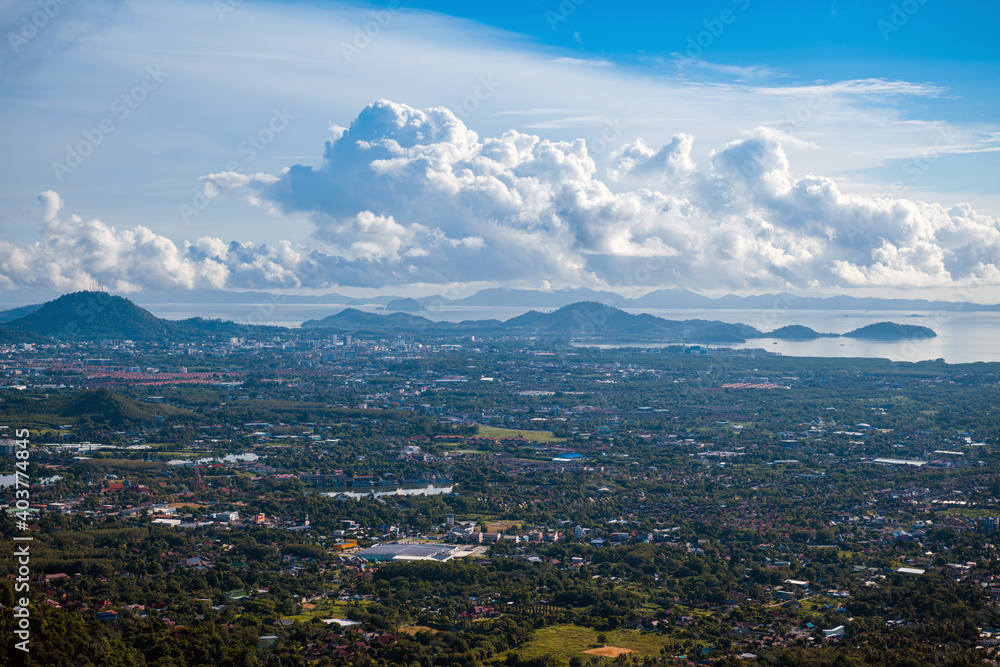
(609, 651)
(565, 641)
(817, 602)
(543, 437)
(324, 609)
(502, 526)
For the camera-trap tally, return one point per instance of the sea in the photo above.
(962, 336)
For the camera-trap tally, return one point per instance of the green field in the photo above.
(324, 609)
(544, 437)
(565, 641)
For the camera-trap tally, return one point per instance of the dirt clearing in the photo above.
(609, 651)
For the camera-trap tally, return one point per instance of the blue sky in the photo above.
(794, 35)
(951, 44)
(734, 146)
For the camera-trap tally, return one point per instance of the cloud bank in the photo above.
(406, 196)
(74, 254)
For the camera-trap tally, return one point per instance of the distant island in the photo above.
(406, 305)
(798, 332)
(891, 331)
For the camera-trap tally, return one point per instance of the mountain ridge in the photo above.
(98, 315)
(591, 319)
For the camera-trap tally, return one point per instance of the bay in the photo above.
(962, 337)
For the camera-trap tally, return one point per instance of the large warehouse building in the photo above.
(394, 551)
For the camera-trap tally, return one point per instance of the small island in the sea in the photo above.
(797, 332)
(891, 331)
(406, 305)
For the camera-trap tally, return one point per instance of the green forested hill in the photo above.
(97, 315)
(891, 331)
(91, 316)
(97, 406)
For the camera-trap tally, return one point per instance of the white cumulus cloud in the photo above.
(400, 186)
(75, 254)
(406, 196)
